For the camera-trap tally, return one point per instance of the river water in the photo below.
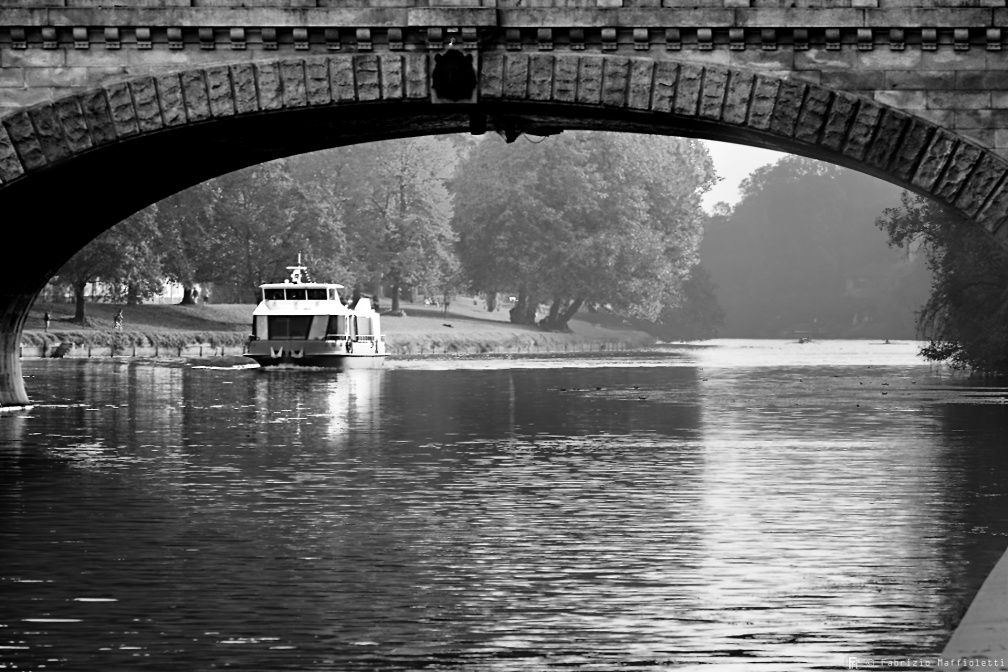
(745, 505)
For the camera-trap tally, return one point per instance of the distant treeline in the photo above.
(801, 255)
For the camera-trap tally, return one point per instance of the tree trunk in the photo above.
(394, 276)
(132, 295)
(559, 316)
(79, 315)
(187, 299)
(524, 309)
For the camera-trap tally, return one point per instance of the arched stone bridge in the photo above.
(104, 110)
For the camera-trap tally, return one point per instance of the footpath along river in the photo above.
(742, 505)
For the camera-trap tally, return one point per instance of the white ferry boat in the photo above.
(307, 324)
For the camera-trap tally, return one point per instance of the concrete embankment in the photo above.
(981, 640)
(408, 348)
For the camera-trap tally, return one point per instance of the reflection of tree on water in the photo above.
(527, 403)
(974, 478)
(882, 541)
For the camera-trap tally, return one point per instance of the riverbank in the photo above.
(214, 330)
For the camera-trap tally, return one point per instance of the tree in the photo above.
(398, 219)
(800, 252)
(184, 225)
(260, 220)
(580, 218)
(965, 318)
(124, 257)
(699, 316)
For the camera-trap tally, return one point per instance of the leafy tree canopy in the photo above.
(125, 257)
(602, 218)
(965, 318)
(800, 252)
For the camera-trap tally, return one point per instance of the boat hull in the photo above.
(324, 354)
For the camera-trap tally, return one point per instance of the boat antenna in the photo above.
(296, 271)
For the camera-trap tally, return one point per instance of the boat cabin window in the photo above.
(316, 294)
(295, 293)
(332, 294)
(337, 325)
(273, 294)
(289, 326)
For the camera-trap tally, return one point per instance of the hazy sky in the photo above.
(733, 164)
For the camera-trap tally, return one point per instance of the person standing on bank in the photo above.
(118, 321)
(47, 318)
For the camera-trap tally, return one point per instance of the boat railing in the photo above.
(358, 338)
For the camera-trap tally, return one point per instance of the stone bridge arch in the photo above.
(75, 166)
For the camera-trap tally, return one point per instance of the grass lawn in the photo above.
(424, 329)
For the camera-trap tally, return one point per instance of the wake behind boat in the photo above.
(308, 324)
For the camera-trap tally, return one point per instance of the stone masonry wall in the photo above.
(947, 65)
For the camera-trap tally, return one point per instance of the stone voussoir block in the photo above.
(993, 215)
(862, 129)
(666, 79)
(417, 81)
(492, 75)
(911, 149)
(540, 84)
(243, 83)
(219, 91)
(813, 115)
(890, 131)
(342, 80)
(615, 79)
(145, 102)
(787, 107)
(516, 74)
(641, 83)
(590, 80)
(989, 171)
(269, 85)
(120, 100)
(688, 86)
(194, 92)
(49, 132)
(392, 87)
(75, 128)
(842, 111)
(712, 92)
(172, 103)
(565, 77)
(10, 164)
(22, 135)
(367, 74)
(317, 89)
(737, 95)
(959, 167)
(937, 154)
(764, 98)
(97, 116)
(292, 83)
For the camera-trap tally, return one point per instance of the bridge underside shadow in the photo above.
(76, 167)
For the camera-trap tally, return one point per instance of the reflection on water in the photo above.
(745, 504)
